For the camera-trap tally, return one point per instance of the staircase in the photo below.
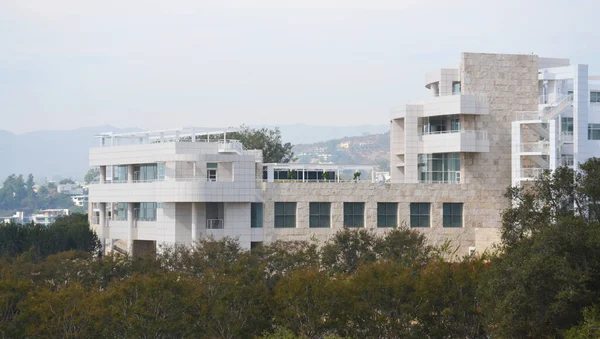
(560, 104)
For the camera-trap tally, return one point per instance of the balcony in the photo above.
(540, 147)
(214, 224)
(531, 173)
(454, 141)
(455, 103)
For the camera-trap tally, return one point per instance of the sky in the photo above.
(152, 64)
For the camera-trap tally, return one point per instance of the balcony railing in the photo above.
(535, 147)
(478, 134)
(214, 224)
(567, 160)
(531, 173)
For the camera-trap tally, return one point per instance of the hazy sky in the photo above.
(161, 64)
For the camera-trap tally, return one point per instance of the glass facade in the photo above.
(320, 214)
(354, 214)
(593, 131)
(566, 125)
(285, 214)
(445, 124)
(119, 173)
(452, 214)
(121, 212)
(145, 211)
(387, 214)
(145, 172)
(256, 215)
(419, 214)
(594, 96)
(439, 168)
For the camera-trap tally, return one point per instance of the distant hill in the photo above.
(372, 149)
(50, 154)
(64, 154)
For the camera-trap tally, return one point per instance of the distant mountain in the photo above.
(53, 155)
(307, 134)
(50, 154)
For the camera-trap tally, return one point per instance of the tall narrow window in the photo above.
(320, 214)
(256, 215)
(354, 214)
(453, 214)
(566, 125)
(594, 96)
(456, 87)
(285, 214)
(387, 214)
(211, 171)
(419, 214)
(160, 168)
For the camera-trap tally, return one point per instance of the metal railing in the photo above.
(540, 146)
(214, 224)
(531, 173)
(478, 134)
(567, 160)
(566, 136)
(231, 144)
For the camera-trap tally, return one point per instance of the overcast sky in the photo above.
(66, 64)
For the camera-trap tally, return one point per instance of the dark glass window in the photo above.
(285, 214)
(387, 214)
(256, 215)
(354, 214)
(453, 214)
(419, 214)
(319, 214)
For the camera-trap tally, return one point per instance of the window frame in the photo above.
(319, 214)
(354, 214)
(256, 215)
(593, 129)
(450, 216)
(284, 214)
(417, 210)
(390, 212)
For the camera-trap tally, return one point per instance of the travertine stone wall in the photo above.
(511, 84)
(372, 193)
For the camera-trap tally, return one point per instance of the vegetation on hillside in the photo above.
(17, 194)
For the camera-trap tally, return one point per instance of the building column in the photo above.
(194, 222)
(101, 225)
(130, 217)
(102, 174)
(130, 174)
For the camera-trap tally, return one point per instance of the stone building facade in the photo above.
(452, 157)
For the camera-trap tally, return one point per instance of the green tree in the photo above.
(66, 181)
(274, 149)
(91, 175)
(548, 269)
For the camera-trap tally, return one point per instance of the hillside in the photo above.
(370, 149)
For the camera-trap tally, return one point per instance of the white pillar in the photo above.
(129, 174)
(194, 222)
(131, 221)
(101, 225)
(102, 174)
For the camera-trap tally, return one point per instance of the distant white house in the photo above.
(69, 189)
(47, 217)
(79, 200)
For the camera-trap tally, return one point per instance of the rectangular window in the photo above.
(566, 125)
(160, 167)
(145, 172)
(593, 131)
(387, 214)
(419, 214)
(211, 171)
(594, 96)
(453, 214)
(256, 215)
(439, 168)
(144, 211)
(319, 214)
(456, 87)
(121, 213)
(285, 214)
(119, 173)
(354, 214)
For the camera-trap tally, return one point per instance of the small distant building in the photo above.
(18, 217)
(80, 200)
(69, 189)
(47, 217)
